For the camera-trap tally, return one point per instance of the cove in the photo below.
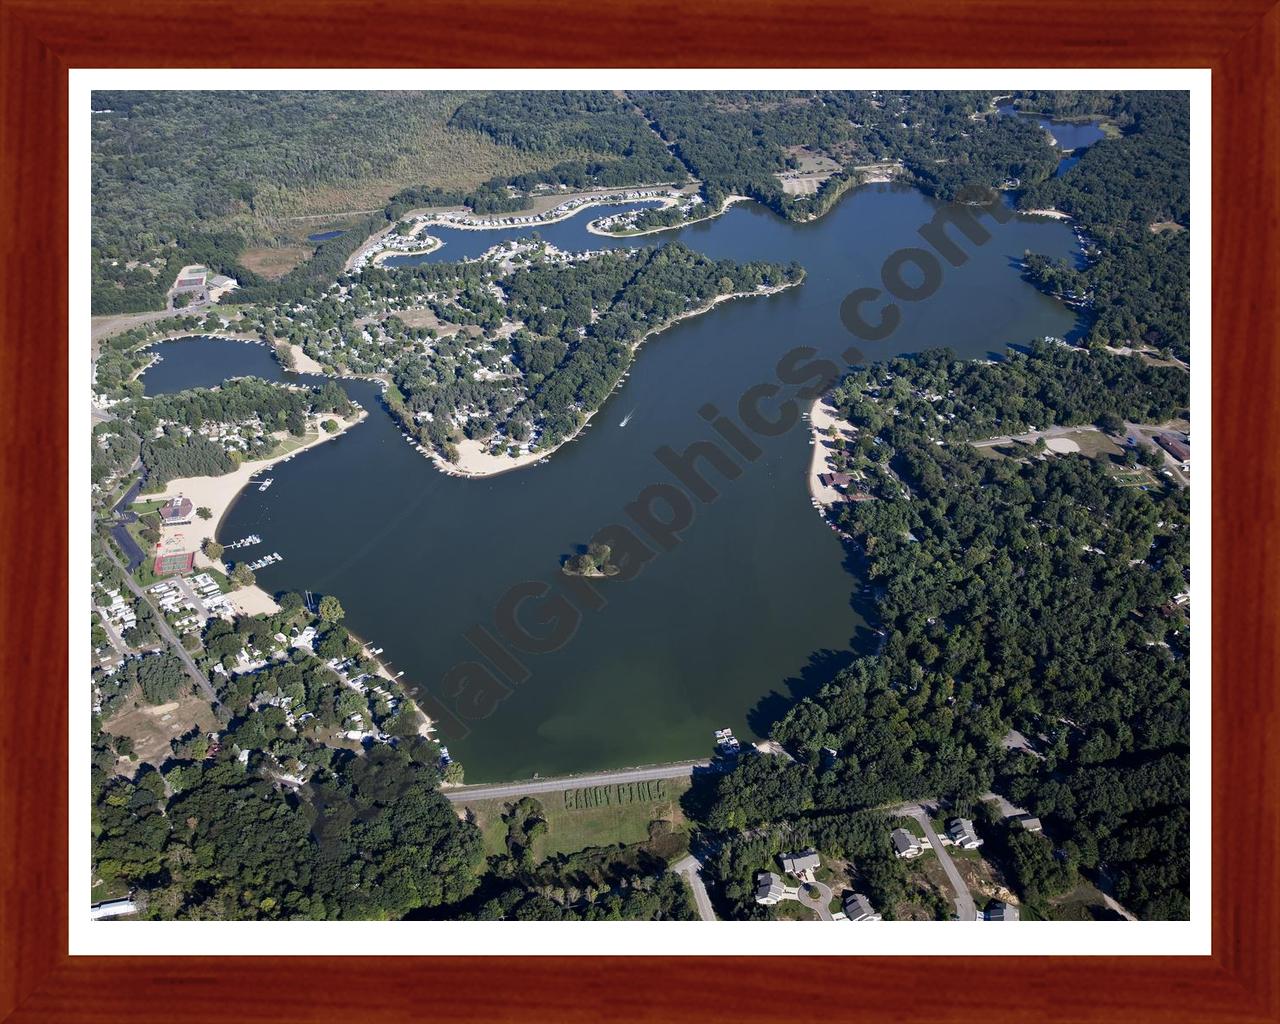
(760, 600)
(1073, 137)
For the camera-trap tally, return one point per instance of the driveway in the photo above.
(691, 868)
(965, 909)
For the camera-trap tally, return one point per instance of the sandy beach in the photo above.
(217, 493)
(474, 461)
(1055, 214)
(302, 362)
(822, 417)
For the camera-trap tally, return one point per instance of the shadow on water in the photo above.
(821, 668)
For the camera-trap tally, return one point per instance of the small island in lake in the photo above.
(597, 560)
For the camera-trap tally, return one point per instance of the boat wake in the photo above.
(627, 418)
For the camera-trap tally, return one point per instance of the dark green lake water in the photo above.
(759, 600)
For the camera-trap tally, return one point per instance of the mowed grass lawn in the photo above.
(576, 823)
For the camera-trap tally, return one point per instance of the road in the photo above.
(510, 790)
(175, 645)
(817, 897)
(965, 909)
(1031, 436)
(691, 868)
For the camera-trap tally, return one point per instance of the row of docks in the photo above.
(266, 560)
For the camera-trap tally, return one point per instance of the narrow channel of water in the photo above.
(1072, 137)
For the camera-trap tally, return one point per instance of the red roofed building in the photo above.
(1180, 451)
(176, 511)
(835, 479)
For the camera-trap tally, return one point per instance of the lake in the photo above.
(324, 236)
(758, 602)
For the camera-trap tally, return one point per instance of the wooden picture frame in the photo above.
(42, 39)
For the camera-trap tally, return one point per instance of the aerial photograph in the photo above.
(638, 506)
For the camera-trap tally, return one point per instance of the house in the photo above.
(769, 888)
(801, 864)
(1030, 822)
(858, 908)
(997, 910)
(176, 511)
(906, 845)
(961, 832)
(835, 479)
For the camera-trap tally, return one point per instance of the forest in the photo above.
(1132, 195)
(184, 178)
(164, 430)
(1014, 593)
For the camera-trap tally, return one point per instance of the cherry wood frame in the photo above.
(41, 39)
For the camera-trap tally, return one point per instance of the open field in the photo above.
(151, 728)
(812, 170)
(589, 816)
(274, 262)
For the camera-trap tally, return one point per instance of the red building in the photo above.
(176, 510)
(1176, 448)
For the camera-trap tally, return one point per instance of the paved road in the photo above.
(965, 909)
(691, 868)
(175, 645)
(820, 903)
(507, 790)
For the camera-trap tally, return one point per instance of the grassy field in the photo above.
(289, 443)
(580, 818)
(141, 508)
(151, 728)
(1083, 903)
(273, 262)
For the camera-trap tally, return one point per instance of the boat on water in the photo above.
(627, 418)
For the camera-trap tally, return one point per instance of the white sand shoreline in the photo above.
(1050, 212)
(474, 462)
(822, 416)
(218, 494)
